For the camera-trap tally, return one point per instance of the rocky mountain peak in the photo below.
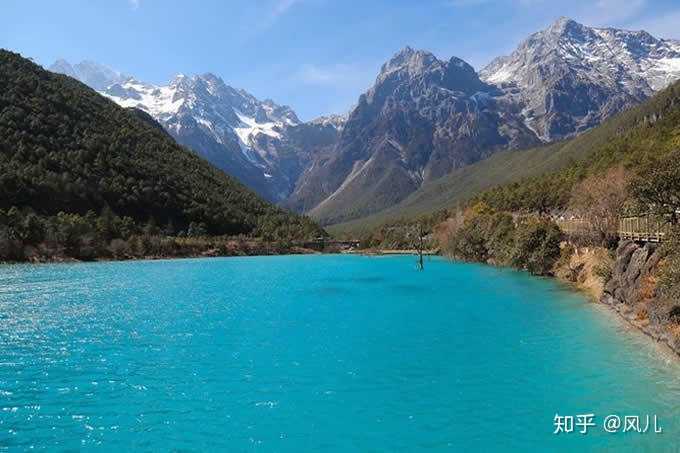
(460, 76)
(564, 26)
(63, 67)
(421, 70)
(410, 61)
(335, 121)
(570, 77)
(179, 79)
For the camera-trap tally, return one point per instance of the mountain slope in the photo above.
(425, 118)
(262, 144)
(513, 180)
(570, 77)
(63, 147)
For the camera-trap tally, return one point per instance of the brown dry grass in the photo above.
(587, 259)
(648, 288)
(641, 312)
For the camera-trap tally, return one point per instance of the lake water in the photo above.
(316, 353)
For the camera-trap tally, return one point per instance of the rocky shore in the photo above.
(626, 283)
(632, 293)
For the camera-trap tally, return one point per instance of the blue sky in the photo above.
(314, 55)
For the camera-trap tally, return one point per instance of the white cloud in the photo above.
(274, 11)
(134, 4)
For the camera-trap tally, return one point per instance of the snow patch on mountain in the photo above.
(570, 77)
(336, 121)
(594, 53)
(250, 128)
(216, 108)
(159, 102)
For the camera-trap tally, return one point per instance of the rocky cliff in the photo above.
(632, 291)
(425, 117)
(632, 277)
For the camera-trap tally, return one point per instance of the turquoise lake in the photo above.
(317, 353)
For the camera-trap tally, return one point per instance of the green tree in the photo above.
(537, 246)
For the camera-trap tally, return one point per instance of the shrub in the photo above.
(566, 252)
(11, 249)
(599, 199)
(486, 235)
(658, 184)
(537, 246)
(119, 248)
(669, 282)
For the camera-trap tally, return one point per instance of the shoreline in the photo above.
(621, 312)
(273, 251)
(104, 259)
(596, 295)
(653, 334)
(661, 347)
(627, 322)
(387, 252)
(625, 314)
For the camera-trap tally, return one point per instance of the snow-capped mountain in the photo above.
(335, 121)
(422, 118)
(90, 73)
(570, 77)
(247, 138)
(425, 117)
(230, 116)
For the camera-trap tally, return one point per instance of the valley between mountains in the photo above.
(427, 133)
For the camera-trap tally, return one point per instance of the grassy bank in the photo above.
(151, 247)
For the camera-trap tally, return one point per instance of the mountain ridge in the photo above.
(558, 83)
(589, 72)
(649, 129)
(256, 141)
(64, 148)
(423, 118)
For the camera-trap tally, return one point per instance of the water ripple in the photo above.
(329, 353)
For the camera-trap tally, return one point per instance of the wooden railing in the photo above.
(573, 226)
(646, 228)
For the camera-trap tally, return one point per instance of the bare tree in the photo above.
(421, 246)
(418, 235)
(599, 199)
(658, 185)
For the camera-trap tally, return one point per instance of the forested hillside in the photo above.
(542, 178)
(630, 165)
(635, 140)
(65, 148)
